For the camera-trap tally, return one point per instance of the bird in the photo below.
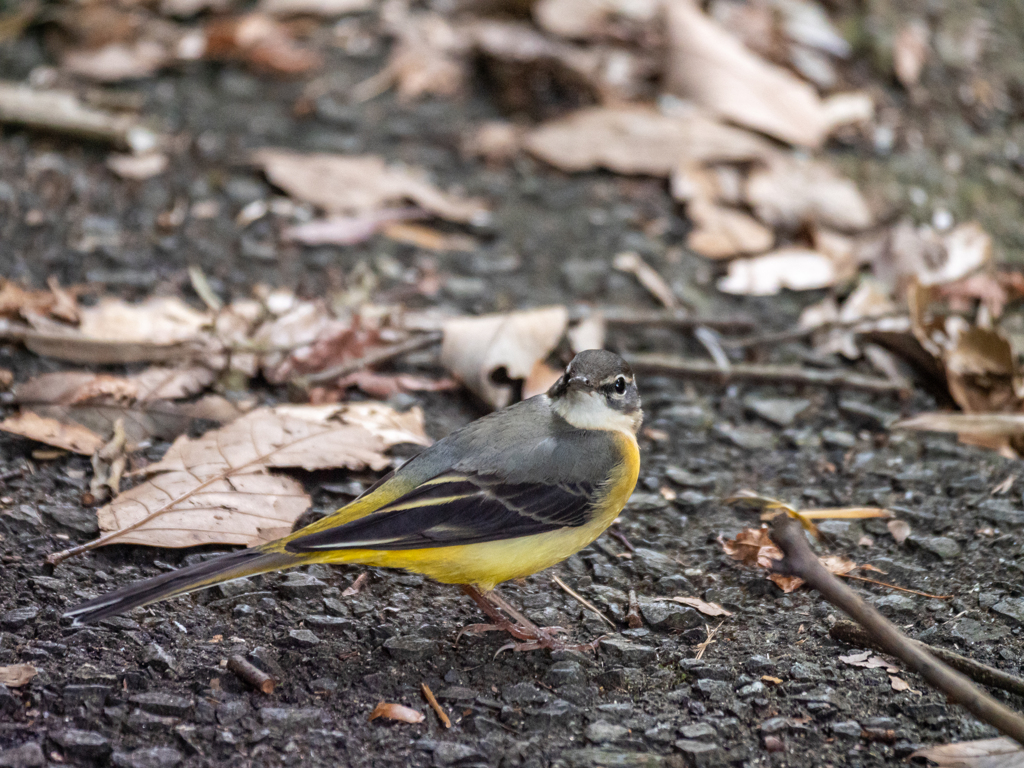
(510, 494)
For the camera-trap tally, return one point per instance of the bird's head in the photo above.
(598, 391)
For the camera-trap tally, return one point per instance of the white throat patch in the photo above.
(589, 410)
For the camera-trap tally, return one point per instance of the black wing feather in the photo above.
(464, 510)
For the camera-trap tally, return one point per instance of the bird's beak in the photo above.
(580, 382)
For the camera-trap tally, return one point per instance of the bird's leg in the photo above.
(523, 629)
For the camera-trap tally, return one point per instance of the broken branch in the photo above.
(251, 674)
(764, 374)
(370, 359)
(801, 561)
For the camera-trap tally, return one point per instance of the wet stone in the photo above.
(747, 438)
(566, 673)
(668, 616)
(895, 604)
(689, 416)
(285, 719)
(804, 671)
(410, 648)
(451, 753)
(232, 711)
(156, 657)
(663, 733)
(753, 689)
(28, 755)
(628, 679)
(603, 732)
(607, 758)
(90, 696)
(973, 631)
(681, 477)
(758, 665)
(148, 757)
(1012, 608)
(88, 744)
(555, 713)
(700, 754)
(146, 722)
(616, 709)
(300, 585)
(701, 670)
(81, 519)
(302, 638)
(525, 693)
(837, 438)
(714, 690)
(940, 546)
(621, 649)
(165, 704)
(849, 728)
(330, 624)
(698, 731)
(775, 725)
(17, 618)
(780, 411)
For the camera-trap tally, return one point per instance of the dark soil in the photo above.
(152, 689)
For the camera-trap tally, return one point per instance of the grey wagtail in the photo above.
(506, 496)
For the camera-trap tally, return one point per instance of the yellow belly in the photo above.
(489, 563)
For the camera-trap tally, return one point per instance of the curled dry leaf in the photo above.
(722, 233)
(708, 609)
(474, 349)
(138, 167)
(217, 489)
(588, 19)
(798, 269)
(712, 67)
(16, 301)
(429, 56)
(899, 530)
(142, 402)
(928, 258)
(360, 184)
(385, 385)
(899, 684)
(400, 712)
(42, 429)
(17, 675)
(869, 660)
(790, 192)
(348, 230)
(754, 547)
(641, 140)
(262, 42)
(984, 753)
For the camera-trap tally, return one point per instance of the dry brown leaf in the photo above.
(588, 19)
(118, 61)
(428, 238)
(386, 385)
(712, 67)
(899, 530)
(359, 184)
(262, 42)
(798, 269)
(984, 753)
(217, 489)
(868, 660)
(70, 437)
(17, 675)
(474, 349)
(641, 140)
(429, 56)
(754, 547)
(722, 233)
(910, 52)
(791, 192)
(348, 230)
(16, 301)
(708, 609)
(496, 141)
(923, 256)
(323, 8)
(540, 380)
(138, 167)
(985, 424)
(400, 712)
(142, 401)
(647, 276)
(588, 333)
(898, 683)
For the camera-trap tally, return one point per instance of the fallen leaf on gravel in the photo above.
(70, 437)
(708, 609)
(899, 530)
(428, 238)
(929, 258)
(138, 167)
(474, 349)
(142, 401)
(754, 547)
(790, 192)
(429, 56)
(217, 489)
(641, 140)
(910, 52)
(359, 184)
(798, 269)
(712, 67)
(647, 276)
(347, 230)
(385, 385)
(722, 233)
(986, 424)
(398, 712)
(868, 660)
(17, 675)
(118, 61)
(262, 42)
(984, 753)
(324, 8)
(59, 302)
(899, 684)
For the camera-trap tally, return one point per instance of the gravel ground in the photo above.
(151, 689)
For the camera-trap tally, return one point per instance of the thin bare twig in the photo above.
(583, 601)
(251, 674)
(633, 617)
(432, 701)
(801, 561)
(764, 374)
(370, 359)
(853, 634)
(677, 318)
(893, 586)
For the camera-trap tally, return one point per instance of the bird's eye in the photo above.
(620, 384)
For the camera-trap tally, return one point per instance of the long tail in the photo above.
(235, 565)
